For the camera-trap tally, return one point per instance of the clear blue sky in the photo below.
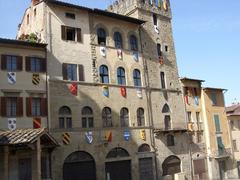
(206, 33)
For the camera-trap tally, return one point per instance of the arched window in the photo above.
(170, 140)
(144, 148)
(117, 152)
(137, 77)
(165, 109)
(133, 43)
(124, 117)
(121, 76)
(87, 117)
(104, 77)
(171, 165)
(101, 33)
(65, 117)
(107, 117)
(118, 40)
(140, 117)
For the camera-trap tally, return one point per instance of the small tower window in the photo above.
(155, 20)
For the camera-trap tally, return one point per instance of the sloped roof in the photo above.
(22, 43)
(233, 110)
(24, 136)
(96, 11)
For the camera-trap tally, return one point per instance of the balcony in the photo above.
(178, 128)
(222, 153)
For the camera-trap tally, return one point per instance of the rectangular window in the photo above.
(70, 15)
(162, 75)
(154, 20)
(159, 51)
(36, 106)
(71, 34)
(220, 145)
(235, 145)
(35, 64)
(11, 107)
(69, 72)
(11, 63)
(214, 98)
(189, 116)
(217, 123)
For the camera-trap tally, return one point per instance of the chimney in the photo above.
(34, 2)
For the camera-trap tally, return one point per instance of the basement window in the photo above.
(70, 15)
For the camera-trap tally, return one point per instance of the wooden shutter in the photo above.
(64, 71)
(19, 63)
(43, 106)
(79, 35)
(81, 72)
(3, 62)
(63, 28)
(29, 106)
(43, 65)
(19, 106)
(3, 107)
(28, 63)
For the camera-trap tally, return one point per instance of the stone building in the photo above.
(233, 115)
(25, 145)
(115, 104)
(211, 145)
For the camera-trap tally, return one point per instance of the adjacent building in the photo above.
(233, 115)
(25, 144)
(205, 111)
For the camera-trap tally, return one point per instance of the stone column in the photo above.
(36, 161)
(5, 162)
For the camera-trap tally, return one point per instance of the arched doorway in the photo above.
(79, 166)
(118, 169)
(171, 166)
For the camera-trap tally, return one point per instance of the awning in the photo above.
(26, 137)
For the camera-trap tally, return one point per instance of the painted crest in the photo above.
(103, 51)
(106, 91)
(123, 91)
(139, 93)
(66, 138)
(135, 56)
(37, 123)
(165, 5)
(156, 29)
(35, 79)
(126, 135)
(143, 134)
(12, 124)
(161, 60)
(11, 77)
(108, 136)
(74, 89)
(119, 53)
(89, 137)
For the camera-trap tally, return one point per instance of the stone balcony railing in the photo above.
(222, 153)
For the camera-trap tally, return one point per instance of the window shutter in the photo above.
(19, 106)
(3, 62)
(81, 72)
(43, 106)
(79, 35)
(29, 106)
(43, 65)
(3, 107)
(28, 64)
(19, 63)
(64, 71)
(63, 32)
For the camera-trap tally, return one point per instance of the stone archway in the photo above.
(118, 167)
(171, 165)
(79, 165)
